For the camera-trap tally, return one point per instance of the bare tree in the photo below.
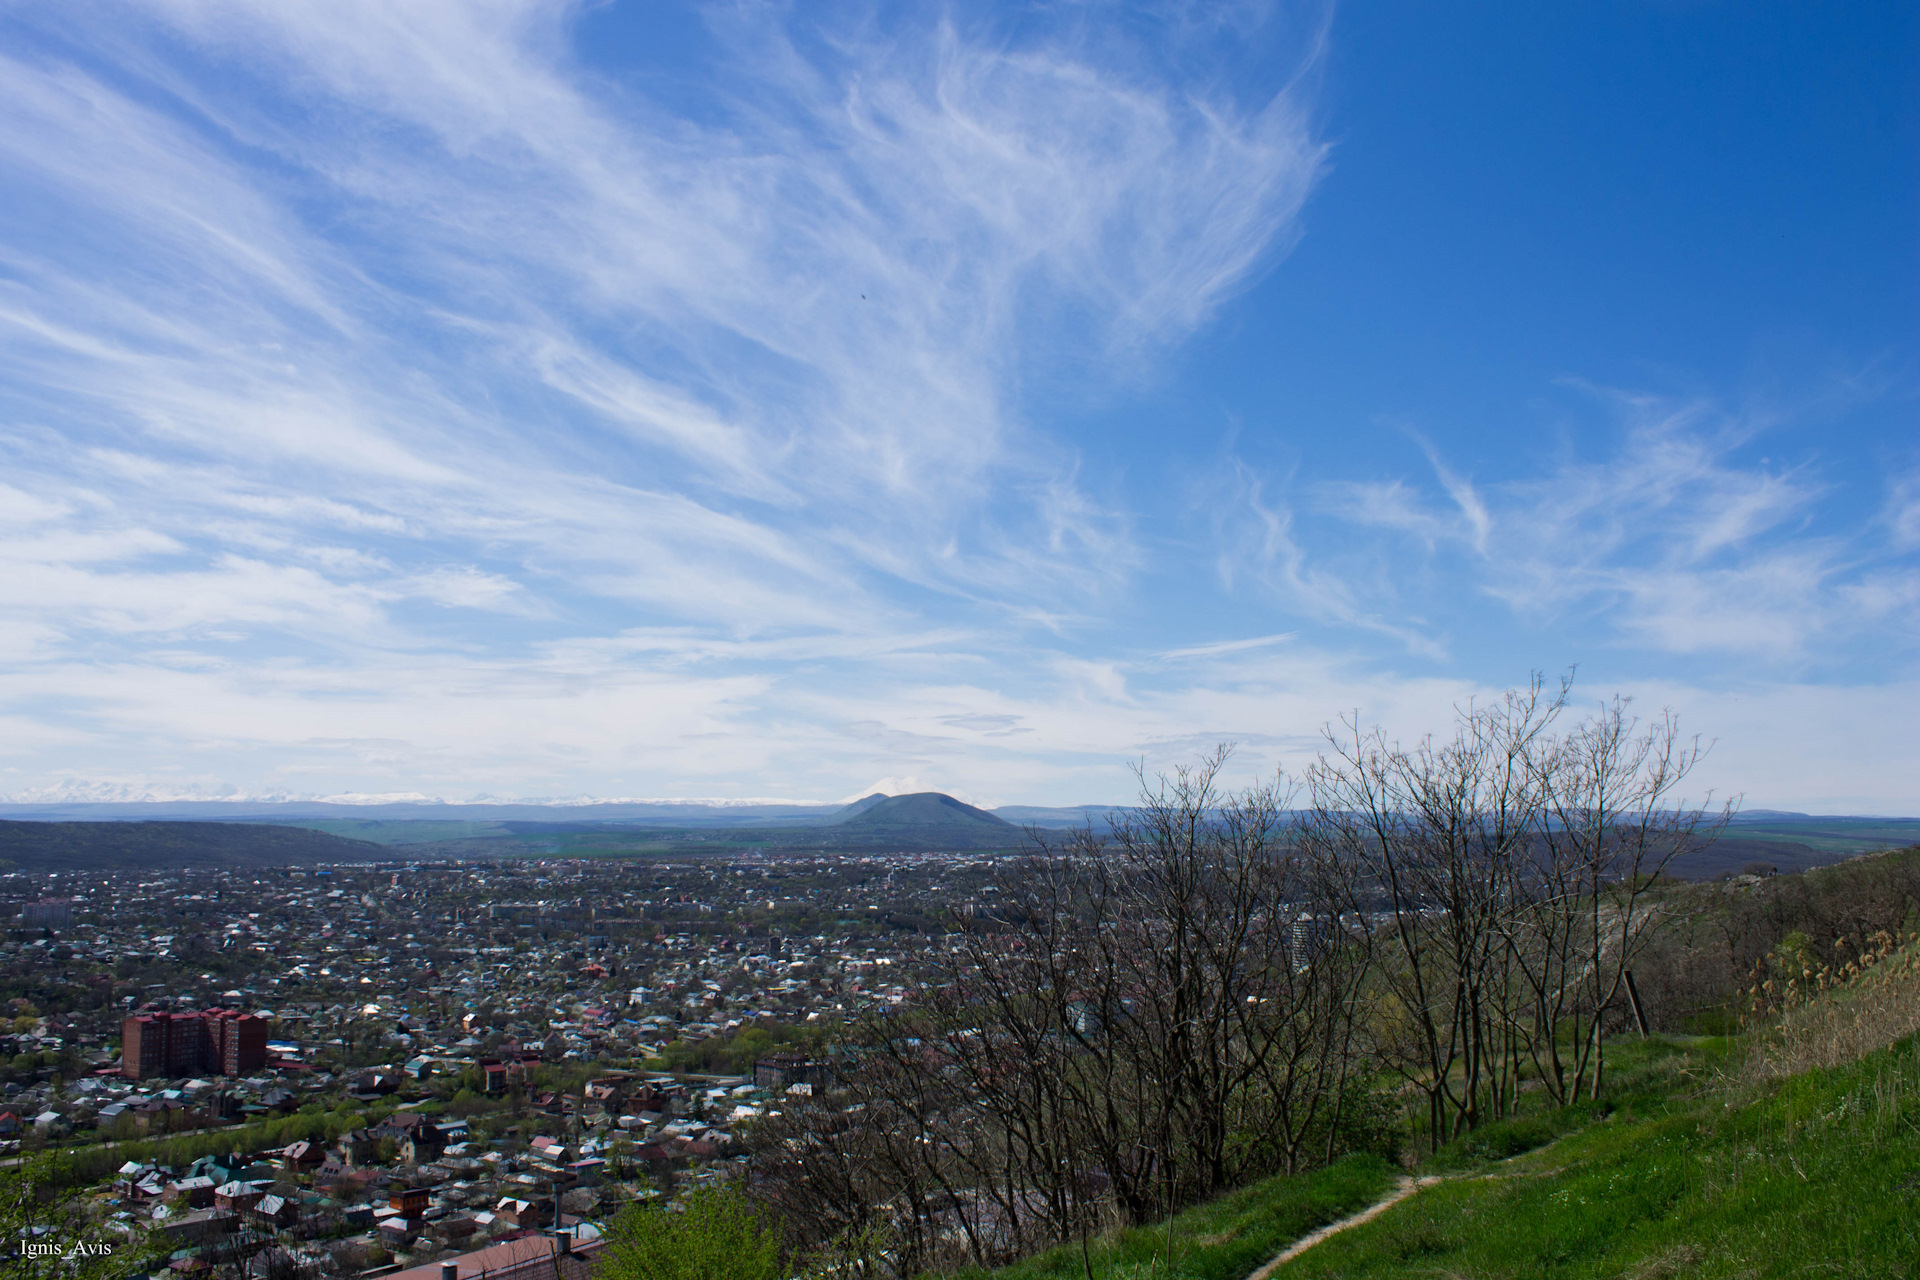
(1507, 871)
(1151, 1016)
(1433, 835)
(1611, 822)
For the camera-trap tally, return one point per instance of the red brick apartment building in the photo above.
(214, 1041)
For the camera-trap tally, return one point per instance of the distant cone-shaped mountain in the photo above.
(860, 806)
(925, 815)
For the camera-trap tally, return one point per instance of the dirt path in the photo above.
(1405, 1188)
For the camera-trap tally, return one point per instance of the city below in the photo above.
(412, 1061)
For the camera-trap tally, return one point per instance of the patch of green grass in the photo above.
(1501, 1140)
(1641, 1078)
(1817, 1175)
(1224, 1239)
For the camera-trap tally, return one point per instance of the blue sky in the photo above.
(529, 399)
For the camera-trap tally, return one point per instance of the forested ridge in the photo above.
(113, 846)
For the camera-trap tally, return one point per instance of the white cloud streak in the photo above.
(1672, 542)
(329, 324)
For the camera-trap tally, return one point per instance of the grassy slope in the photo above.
(1684, 1170)
(1816, 1175)
(1224, 1239)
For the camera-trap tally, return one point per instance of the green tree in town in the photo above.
(719, 1236)
(43, 1235)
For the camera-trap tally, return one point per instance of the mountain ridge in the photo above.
(59, 846)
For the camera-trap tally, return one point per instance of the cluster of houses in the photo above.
(112, 1107)
(181, 1001)
(641, 953)
(412, 1189)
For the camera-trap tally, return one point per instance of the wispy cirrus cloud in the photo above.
(1257, 540)
(329, 325)
(1903, 513)
(1673, 538)
(815, 295)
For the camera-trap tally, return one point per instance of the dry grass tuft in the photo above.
(1681, 1260)
(1829, 1015)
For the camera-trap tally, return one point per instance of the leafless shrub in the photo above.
(1710, 938)
(1152, 1016)
(1506, 872)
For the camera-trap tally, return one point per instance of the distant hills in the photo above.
(1790, 842)
(253, 834)
(121, 846)
(926, 821)
(663, 814)
(644, 813)
(859, 807)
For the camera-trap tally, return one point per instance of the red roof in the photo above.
(527, 1258)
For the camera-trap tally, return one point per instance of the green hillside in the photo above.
(1813, 1176)
(1690, 1168)
(1225, 1239)
(1789, 1149)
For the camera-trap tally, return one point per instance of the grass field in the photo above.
(1839, 835)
